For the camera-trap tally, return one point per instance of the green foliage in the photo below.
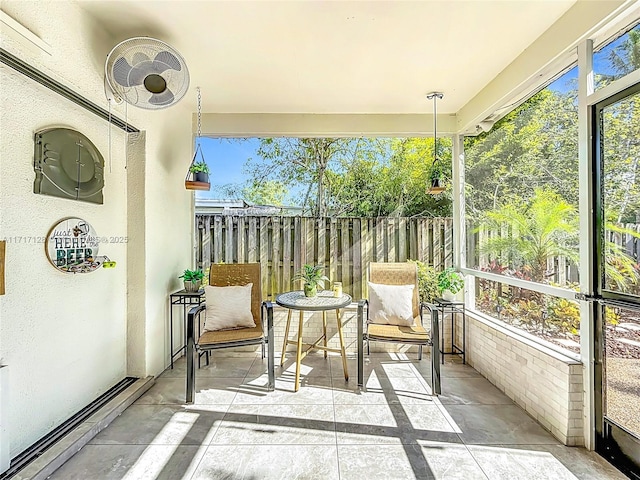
(533, 146)
(358, 177)
(192, 275)
(267, 192)
(311, 276)
(532, 232)
(564, 315)
(199, 167)
(427, 282)
(450, 280)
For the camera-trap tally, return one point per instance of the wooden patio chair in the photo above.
(413, 333)
(225, 275)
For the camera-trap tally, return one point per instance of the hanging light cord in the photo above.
(435, 96)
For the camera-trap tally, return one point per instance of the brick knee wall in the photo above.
(544, 383)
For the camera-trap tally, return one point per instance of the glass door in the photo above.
(616, 126)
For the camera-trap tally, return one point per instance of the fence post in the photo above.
(357, 258)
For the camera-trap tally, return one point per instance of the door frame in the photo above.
(619, 446)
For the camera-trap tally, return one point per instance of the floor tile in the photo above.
(508, 463)
(464, 390)
(162, 425)
(312, 391)
(277, 424)
(457, 369)
(384, 390)
(219, 366)
(497, 424)
(391, 424)
(266, 462)
(131, 462)
(543, 461)
(389, 462)
(451, 462)
(209, 391)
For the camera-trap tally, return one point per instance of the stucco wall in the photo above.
(65, 337)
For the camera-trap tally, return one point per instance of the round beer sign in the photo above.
(72, 246)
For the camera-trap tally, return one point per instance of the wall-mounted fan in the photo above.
(145, 72)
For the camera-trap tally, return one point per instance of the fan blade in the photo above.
(165, 60)
(121, 70)
(126, 75)
(164, 98)
(138, 58)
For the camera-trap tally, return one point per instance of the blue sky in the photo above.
(225, 158)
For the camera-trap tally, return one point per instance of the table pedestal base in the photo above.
(300, 354)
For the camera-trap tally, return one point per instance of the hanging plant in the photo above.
(198, 175)
(200, 172)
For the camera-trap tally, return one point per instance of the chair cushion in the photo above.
(391, 304)
(224, 336)
(413, 334)
(228, 307)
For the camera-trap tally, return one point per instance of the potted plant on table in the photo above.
(192, 280)
(200, 172)
(450, 282)
(311, 277)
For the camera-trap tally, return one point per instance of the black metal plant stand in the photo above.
(186, 299)
(453, 307)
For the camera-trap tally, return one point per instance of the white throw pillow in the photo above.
(391, 304)
(228, 307)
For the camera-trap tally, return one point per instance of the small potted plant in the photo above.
(200, 172)
(450, 282)
(436, 179)
(192, 280)
(311, 277)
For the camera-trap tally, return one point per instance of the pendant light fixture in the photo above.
(436, 180)
(198, 174)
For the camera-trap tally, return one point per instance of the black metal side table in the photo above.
(452, 307)
(186, 299)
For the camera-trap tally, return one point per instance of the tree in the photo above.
(302, 162)
(535, 145)
(265, 192)
(268, 192)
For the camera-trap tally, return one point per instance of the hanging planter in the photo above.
(198, 175)
(437, 186)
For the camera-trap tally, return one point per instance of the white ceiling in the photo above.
(335, 56)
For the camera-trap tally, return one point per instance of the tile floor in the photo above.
(328, 430)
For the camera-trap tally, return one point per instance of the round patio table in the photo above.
(323, 302)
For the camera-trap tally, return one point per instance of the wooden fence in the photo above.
(344, 246)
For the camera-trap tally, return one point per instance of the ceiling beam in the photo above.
(322, 125)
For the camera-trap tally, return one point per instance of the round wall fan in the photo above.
(147, 73)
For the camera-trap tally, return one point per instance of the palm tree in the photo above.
(545, 227)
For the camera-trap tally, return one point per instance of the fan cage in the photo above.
(130, 49)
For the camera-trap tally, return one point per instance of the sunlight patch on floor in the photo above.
(150, 464)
